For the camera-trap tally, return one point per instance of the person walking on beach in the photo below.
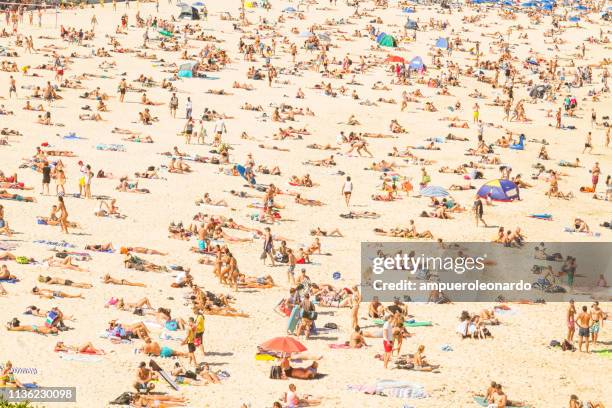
(347, 190)
(571, 321)
(188, 108)
(12, 86)
(122, 89)
(268, 246)
(584, 327)
(478, 211)
(588, 144)
(173, 105)
(46, 179)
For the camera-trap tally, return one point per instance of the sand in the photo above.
(518, 356)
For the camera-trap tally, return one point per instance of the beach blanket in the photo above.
(72, 136)
(88, 358)
(110, 147)
(62, 244)
(547, 217)
(573, 230)
(605, 353)
(9, 280)
(172, 335)
(392, 388)
(408, 323)
(339, 346)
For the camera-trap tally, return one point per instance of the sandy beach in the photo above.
(492, 51)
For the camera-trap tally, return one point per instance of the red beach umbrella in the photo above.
(283, 345)
(395, 58)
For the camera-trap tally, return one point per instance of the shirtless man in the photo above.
(584, 324)
(597, 319)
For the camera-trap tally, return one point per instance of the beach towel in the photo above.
(88, 358)
(110, 147)
(339, 346)
(605, 353)
(9, 280)
(172, 335)
(573, 230)
(544, 216)
(409, 323)
(62, 244)
(482, 401)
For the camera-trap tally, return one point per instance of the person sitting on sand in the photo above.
(293, 401)
(575, 402)
(357, 340)
(7, 377)
(420, 362)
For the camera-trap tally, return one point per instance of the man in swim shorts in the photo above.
(584, 324)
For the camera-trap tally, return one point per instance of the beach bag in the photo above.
(567, 346)
(554, 343)
(123, 399)
(331, 326)
(275, 372)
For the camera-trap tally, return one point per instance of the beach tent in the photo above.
(409, 10)
(388, 41)
(380, 36)
(198, 4)
(189, 12)
(289, 10)
(416, 63)
(165, 33)
(306, 34)
(529, 4)
(442, 43)
(434, 191)
(411, 25)
(574, 19)
(499, 190)
(186, 69)
(242, 171)
(324, 37)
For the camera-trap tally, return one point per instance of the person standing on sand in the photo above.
(597, 317)
(347, 190)
(12, 86)
(584, 325)
(46, 177)
(595, 172)
(268, 246)
(476, 112)
(190, 341)
(387, 340)
(174, 102)
(478, 211)
(588, 144)
(355, 301)
(63, 217)
(571, 321)
(122, 89)
(199, 330)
